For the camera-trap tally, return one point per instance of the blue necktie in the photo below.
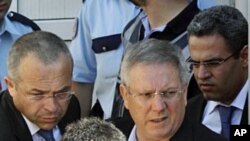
(225, 116)
(46, 134)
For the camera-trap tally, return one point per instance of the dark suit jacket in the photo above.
(196, 105)
(14, 128)
(195, 108)
(187, 132)
(195, 132)
(125, 123)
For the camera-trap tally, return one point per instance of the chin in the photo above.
(211, 96)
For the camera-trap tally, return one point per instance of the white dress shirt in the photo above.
(211, 117)
(34, 129)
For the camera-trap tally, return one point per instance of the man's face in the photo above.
(4, 7)
(156, 116)
(219, 82)
(36, 79)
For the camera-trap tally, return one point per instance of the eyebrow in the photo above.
(209, 60)
(66, 88)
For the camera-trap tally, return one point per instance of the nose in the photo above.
(50, 104)
(202, 72)
(158, 103)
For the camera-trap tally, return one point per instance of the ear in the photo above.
(244, 56)
(10, 85)
(124, 94)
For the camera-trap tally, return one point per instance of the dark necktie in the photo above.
(46, 134)
(225, 116)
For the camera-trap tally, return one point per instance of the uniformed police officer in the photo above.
(97, 52)
(12, 26)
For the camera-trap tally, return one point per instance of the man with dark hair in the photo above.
(218, 45)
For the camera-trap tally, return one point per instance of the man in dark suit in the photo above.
(218, 45)
(154, 78)
(39, 98)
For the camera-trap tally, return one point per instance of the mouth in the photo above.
(158, 120)
(206, 87)
(50, 120)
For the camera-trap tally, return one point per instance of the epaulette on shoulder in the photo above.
(13, 16)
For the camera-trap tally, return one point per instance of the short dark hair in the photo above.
(223, 20)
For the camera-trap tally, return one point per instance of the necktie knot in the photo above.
(225, 117)
(46, 134)
(225, 114)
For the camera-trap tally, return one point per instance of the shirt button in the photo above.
(104, 48)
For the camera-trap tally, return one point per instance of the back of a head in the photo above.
(46, 46)
(92, 129)
(222, 20)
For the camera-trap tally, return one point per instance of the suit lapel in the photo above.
(18, 125)
(196, 107)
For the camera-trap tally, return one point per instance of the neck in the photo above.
(160, 12)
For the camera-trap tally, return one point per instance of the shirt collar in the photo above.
(145, 22)
(238, 102)
(132, 136)
(176, 26)
(34, 128)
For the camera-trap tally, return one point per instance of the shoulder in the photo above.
(196, 104)
(124, 123)
(195, 108)
(6, 128)
(193, 131)
(132, 26)
(16, 17)
(198, 99)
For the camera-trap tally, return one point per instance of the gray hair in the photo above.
(154, 51)
(225, 21)
(92, 129)
(45, 45)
